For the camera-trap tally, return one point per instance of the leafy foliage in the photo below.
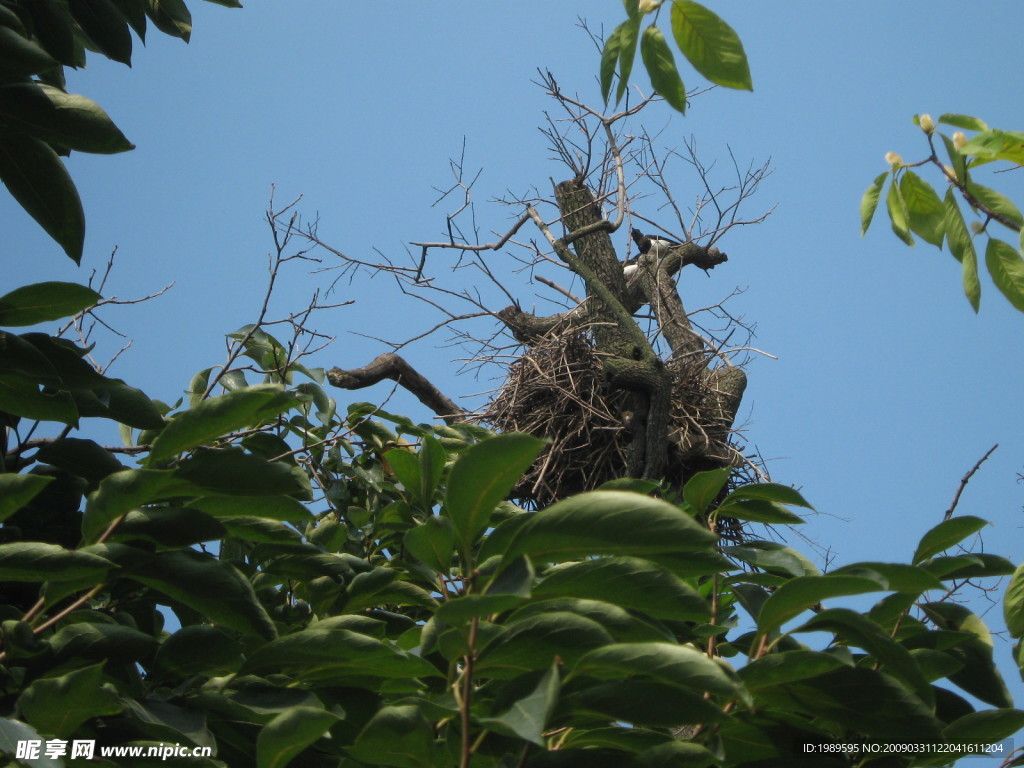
(914, 207)
(291, 584)
(708, 43)
(40, 121)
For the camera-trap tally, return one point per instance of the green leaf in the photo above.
(536, 641)
(869, 202)
(20, 57)
(232, 470)
(677, 665)
(957, 161)
(866, 701)
(213, 587)
(118, 494)
(631, 582)
(399, 736)
(997, 145)
(21, 397)
(640, 703)
(924, 209)
(979, 675)
(56, 117)
(772, 557)
(780, 494)
(318, 653)
(997, 203)
(966, 122)
(758, 511)
(702, 489)
(899, 577)
(169, 527)
(43, 302)
(114, 643)
(13, 731)
(609, 523)
(217, 416)
(961, 245)
(855, 629)
(432, 543)
(38, 180)
(1013, 603)
(988, 727)
(661, 67)
(58, 705)
(84, 458)
(609, 58)
(711, 45)
(200, 650)
(898, 214)
(289, 733)
(171, 17)
(38, 561)
(105, 26)
(18, 490)
(947, 534)
(432, 458)
(796, 596)
(628, 34)
(777, 669)
(1006, 267)
(527, 718)
(483, 476)
(282, 508)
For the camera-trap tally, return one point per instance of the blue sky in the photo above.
(887, 387)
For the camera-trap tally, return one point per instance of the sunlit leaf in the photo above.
(483, 476)
(961, 245)
(1006, 267)
(997, 202)
(711, 45)
(869, 202)
(947, 534)
(661, 66)
(629, 35)
(796, 596)
(898, 214)
(607, 522)
(1013, 603)
(217, 416)
(924, 208)
(966, 122)
(997, 145)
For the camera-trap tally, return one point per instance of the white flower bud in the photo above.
(959, 140)
(893, 159)
(977, 227)
(926, 123)
(950, 173)
(646, 6)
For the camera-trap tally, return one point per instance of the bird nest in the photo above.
(557, 390)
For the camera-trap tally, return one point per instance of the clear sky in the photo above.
(887, 386)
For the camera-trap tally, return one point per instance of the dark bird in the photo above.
(648, 243)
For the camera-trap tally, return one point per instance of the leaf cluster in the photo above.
(710, 45)
(40, 121)
(290, 583)
(915, 208)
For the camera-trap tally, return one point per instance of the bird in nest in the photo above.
(655, 244)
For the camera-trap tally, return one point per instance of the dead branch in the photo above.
(391, 366)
